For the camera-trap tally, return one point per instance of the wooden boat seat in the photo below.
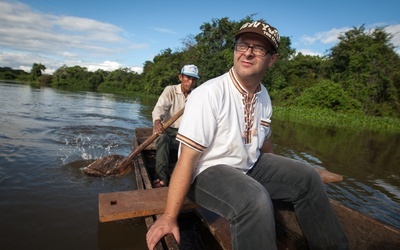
(147, 202)
(151, 146)
(363, 231)
(139, 203)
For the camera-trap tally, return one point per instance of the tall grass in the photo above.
(327, 118)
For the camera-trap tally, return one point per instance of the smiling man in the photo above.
(226, 162)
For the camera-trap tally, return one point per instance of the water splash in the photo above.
(85, 148)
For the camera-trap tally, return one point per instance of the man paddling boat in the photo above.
(171, 100)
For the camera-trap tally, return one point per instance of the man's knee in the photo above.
(256, 201)
(162, 139)
(311, 176)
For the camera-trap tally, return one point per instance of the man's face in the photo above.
(187, 83)
(246, 63)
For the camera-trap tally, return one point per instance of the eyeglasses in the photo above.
(256, 50)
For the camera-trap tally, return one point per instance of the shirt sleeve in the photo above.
(199, 121)
(163, 104)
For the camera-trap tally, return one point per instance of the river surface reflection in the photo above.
(369, 162)
(47, 135)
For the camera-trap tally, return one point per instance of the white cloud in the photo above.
(17, 60)
(28, 69)
(24, 61)
(138, 70)
(69, 54)
(331, 37)
(309, 52)
(163, 30)
(28, 37)
(326, 37)
(139, 46)
(395, 31)
(106, 65)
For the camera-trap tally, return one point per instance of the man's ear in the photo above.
(274, 58)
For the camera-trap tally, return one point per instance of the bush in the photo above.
(328, 95)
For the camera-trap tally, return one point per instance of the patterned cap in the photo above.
(263, 29)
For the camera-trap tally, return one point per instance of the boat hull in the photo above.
(362, 231)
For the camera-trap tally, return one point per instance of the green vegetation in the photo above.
(356, 83)
(329, 118)
(7, 73)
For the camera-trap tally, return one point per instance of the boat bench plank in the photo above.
(145, 202)
(136, 203)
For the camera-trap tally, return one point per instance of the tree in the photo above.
(117, 80)
(162, 72)
(7, 73)
(367, 67)
(75, 77)
(362, 68)
(328, 95)
(96, 78)
(277, 77)
(36, 70)
(214, 45)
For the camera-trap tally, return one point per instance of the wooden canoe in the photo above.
(363, 232)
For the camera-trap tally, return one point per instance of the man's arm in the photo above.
(164, 102)
(178, 188)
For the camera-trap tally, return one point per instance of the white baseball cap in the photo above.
(190, 70)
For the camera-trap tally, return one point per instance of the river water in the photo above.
(47, 136)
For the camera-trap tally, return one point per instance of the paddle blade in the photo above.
(106, 166)
(119, 165)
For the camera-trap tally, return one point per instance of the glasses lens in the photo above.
(259, 51)
(256, 50)
(241, 47)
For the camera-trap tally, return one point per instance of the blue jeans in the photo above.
(245, 200)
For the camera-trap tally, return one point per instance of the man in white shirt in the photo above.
(171, 100)
(226, 162)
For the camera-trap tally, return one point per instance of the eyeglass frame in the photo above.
(260, 48)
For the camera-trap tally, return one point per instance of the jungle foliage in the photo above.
(359, 75)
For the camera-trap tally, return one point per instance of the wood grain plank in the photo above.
(136, 203)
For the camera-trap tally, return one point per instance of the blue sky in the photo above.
(126, 33)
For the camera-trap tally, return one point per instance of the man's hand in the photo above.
(158, 127)
(163, 226)
(177, 191)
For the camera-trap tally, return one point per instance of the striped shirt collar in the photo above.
(239, 86)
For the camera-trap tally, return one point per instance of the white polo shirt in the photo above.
(221, 123)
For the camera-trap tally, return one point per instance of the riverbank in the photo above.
(328, 118)
(320, 118)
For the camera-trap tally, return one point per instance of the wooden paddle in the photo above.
(119, 165)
